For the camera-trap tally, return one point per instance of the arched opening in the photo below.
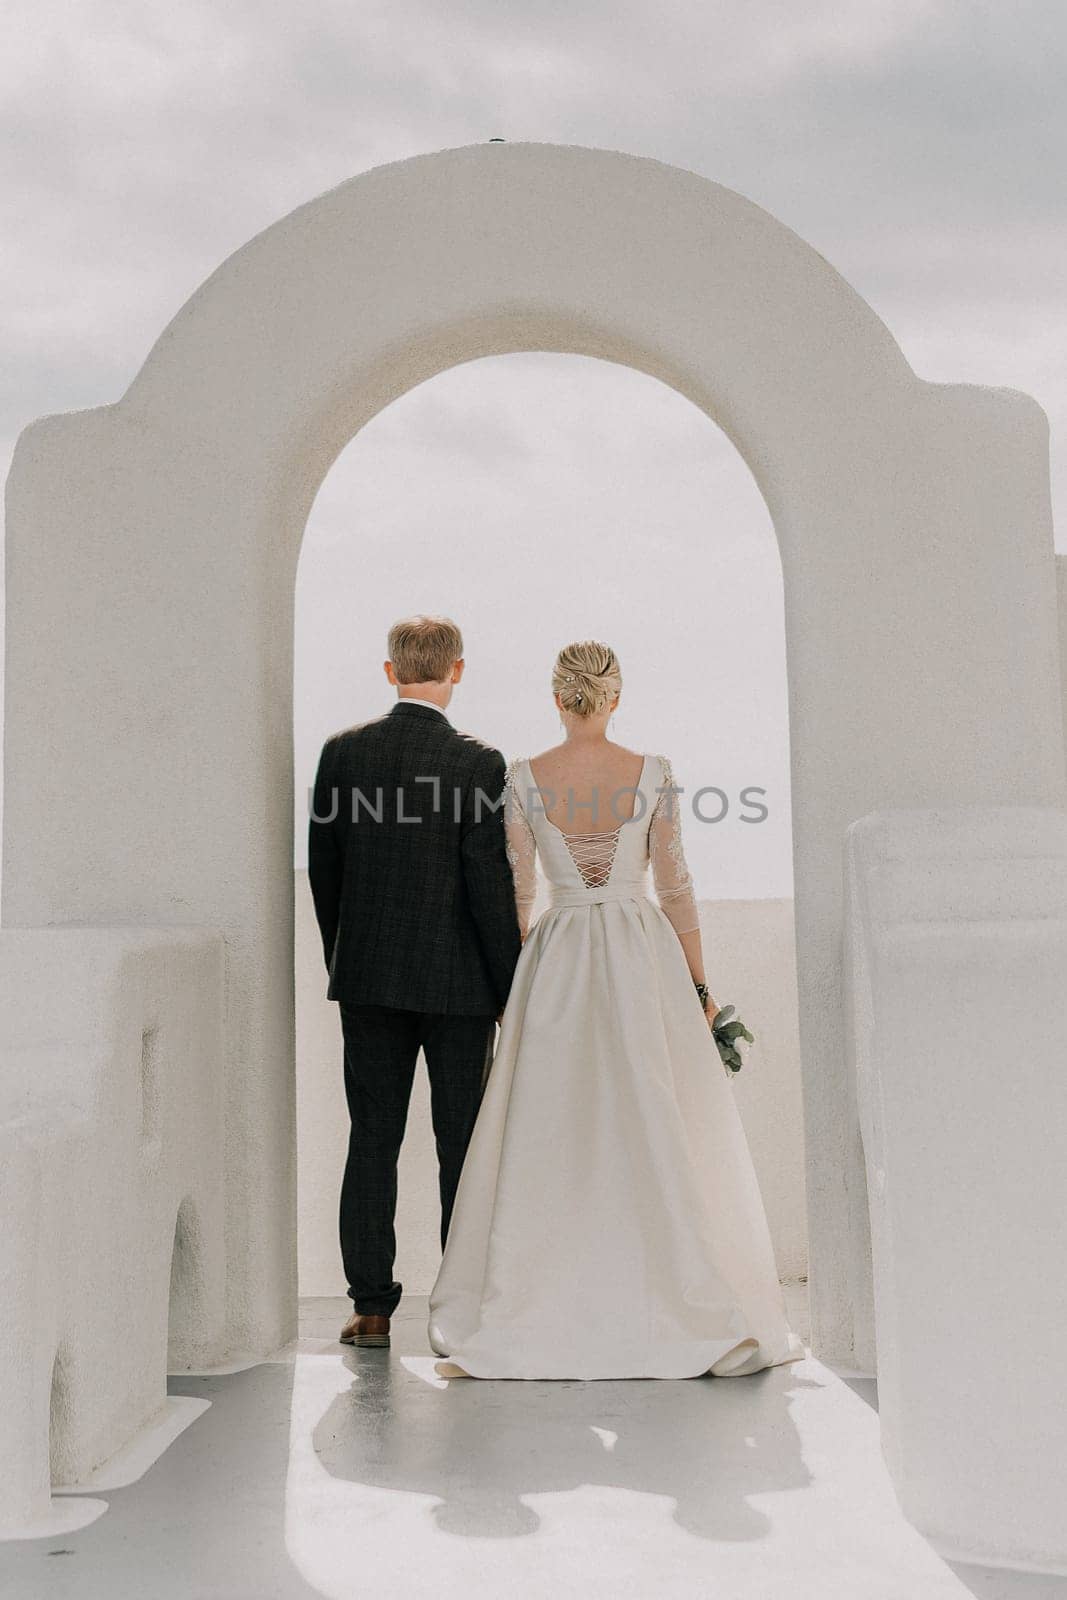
(186, 1287)
(537, 498)
(154, 542)
(61, 1399)
(150, 1084)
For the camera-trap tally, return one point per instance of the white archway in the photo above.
(153, 543)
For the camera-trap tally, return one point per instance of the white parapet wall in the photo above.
(112, 1157)
(750, 955)
(956, 987)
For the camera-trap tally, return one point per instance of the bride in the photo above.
(608, 1222)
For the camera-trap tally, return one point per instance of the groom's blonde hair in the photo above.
(424, 649)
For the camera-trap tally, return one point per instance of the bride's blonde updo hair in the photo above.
(586, 677)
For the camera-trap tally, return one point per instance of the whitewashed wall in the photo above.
(152, 547)
(956, 950)
(749, 949)
(112, 1259)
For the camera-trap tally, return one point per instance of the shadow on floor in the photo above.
(206, 1522)
(708, 1443)
(995, 1583)
(985, 1583)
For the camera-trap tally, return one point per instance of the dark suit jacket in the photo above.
(416, 910)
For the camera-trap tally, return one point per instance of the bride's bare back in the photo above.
(587, 787)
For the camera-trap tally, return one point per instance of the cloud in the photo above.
(916, 144)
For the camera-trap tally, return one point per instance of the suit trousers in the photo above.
(381, 1047)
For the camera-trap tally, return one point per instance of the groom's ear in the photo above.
(457, 670)
(389, 673)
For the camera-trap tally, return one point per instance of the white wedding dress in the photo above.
(608, 1222)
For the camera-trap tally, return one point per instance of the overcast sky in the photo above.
(919, 146)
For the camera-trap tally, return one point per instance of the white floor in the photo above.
(335, 1472)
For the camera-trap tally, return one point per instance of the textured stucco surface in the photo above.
(112, 1269)
(956, 946)
(152, 546)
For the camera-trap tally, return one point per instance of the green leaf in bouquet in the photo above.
(729, 1056)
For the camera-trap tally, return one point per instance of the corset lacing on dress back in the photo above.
(597, 867)
(593, 854)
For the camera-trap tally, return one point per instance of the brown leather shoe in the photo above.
(368, 1331)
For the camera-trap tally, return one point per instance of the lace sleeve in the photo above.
(670, 874)
(521, 847)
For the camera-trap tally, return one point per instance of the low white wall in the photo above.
(749, 947)
(112, 1165)
(955, 953)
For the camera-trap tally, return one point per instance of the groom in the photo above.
(416, 905)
